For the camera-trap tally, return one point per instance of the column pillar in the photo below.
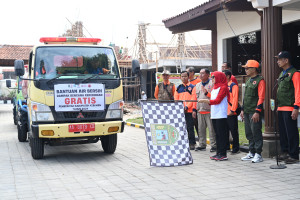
(214, 45)
(272, 45)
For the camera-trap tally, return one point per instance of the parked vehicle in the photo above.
(75, 94)
(18, 96)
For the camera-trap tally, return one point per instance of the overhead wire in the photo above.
(226, 19)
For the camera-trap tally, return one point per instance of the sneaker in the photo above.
(221, 158)
(291, 160)
(200, 149)
(283, 156)
(257, 158)
(249, 156)
(213, 157)
(192, 147)
(213, 149)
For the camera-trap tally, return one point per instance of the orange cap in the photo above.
(251, 63)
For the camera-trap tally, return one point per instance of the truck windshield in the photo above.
(75, 62)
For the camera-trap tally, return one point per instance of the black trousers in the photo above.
(289, 134)
(190, 127)
(220, 127)
(232, 125)
(195, 120)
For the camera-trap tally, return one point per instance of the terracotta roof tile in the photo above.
(13, 52)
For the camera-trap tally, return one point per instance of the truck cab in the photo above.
(75, 94)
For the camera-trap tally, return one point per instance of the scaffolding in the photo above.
(131, 87)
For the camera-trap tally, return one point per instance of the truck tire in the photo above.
(109, 143)
(15, 116)
(37, 148)
(22, 133)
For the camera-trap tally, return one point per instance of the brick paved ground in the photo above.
(85, 172)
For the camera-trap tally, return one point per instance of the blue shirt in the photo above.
(285, 71)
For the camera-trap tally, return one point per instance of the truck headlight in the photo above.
(40, 112)
(115, 110)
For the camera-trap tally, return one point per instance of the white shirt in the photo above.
(218, 111)
(144, 97)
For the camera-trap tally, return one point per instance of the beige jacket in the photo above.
(200, 95)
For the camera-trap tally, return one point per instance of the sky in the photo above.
(23, 22)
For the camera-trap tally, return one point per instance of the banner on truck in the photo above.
(79, 97)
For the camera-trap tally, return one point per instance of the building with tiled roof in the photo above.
(10, 53)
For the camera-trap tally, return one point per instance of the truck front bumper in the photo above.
(62, 130)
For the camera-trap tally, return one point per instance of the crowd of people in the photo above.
(212, 102)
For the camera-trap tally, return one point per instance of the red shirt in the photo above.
(233, 79)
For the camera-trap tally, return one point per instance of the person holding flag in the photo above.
(218, 101)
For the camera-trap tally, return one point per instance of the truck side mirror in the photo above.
(135, 67)
(19, 67)
(8, 83)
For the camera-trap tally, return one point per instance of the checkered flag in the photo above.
(166, 133)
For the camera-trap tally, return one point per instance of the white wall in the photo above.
(4, 91)
(243, 22)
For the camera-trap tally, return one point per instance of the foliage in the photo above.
(9, 96)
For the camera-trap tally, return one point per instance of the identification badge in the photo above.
(272, 104)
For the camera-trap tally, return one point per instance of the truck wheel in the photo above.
(15, 116)
(22, 133)
(37, 148)
(109, 143)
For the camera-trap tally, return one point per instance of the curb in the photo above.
(135, 125)
(5, 102)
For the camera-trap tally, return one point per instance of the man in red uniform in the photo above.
(288, 99)
(187, 91)
(227, 66)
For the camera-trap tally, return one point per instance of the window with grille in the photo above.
(248, 38)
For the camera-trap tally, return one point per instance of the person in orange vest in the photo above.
(165, 90)
(227, 66)
(187, 91)
(193, 80)
(232, 120)
(288, 99)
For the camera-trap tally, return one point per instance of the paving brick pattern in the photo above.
(86, 172)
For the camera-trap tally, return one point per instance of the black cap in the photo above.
(284, 54)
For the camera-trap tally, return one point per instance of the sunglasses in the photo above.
(212, 76)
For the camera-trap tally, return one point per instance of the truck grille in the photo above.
(72, 115)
